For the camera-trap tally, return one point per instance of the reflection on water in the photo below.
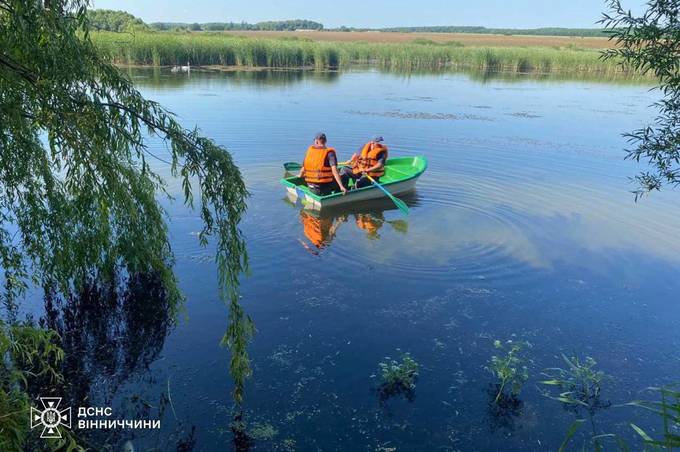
(320, 228)
(272, 78)
(111, 336)
(265, 78)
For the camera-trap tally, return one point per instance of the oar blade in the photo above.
(401, 205)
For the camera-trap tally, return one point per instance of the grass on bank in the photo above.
(166, 49)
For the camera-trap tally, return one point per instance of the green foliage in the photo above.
(289, 25)
(579, 384)
(579, 387)
(668, 409)
(429, 42)
(27, 354)
(651, 44)
(275, 25)
(509, 368)
(423, 41)
(398, 376)
(78, 198)
(168, 49)
(110, 20)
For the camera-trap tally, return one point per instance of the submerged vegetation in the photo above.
(668, 408)
(164, 49)
(510, 370)
(398, 377)
(579, 388)
(579, 384)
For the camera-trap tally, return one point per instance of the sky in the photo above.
(376, 13)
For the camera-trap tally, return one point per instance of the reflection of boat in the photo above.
(319, 230)
(401, 175)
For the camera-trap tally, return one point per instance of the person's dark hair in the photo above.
(321, 137)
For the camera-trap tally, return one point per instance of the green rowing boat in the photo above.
(401, 175)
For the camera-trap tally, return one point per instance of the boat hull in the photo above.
(351, 196)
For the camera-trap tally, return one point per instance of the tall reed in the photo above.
(165, 49)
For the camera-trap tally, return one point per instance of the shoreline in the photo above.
(591, 75)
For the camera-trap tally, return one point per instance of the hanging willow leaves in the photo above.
(650, 43)
(78, 198)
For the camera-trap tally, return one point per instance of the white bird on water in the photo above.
(186, 68)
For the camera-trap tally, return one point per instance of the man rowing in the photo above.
(369, 162)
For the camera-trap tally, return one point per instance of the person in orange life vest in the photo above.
(320, 168)
(370, 161)
(320, 231)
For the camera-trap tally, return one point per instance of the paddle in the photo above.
(397, 202)
(300, 200)
(294, 166)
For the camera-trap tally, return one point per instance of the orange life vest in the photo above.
(369, 158)
(315, 165)
(368, 224)
(317, 230)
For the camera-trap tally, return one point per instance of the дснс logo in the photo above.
(50, 417)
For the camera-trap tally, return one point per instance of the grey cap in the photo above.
(378, 139)
(320, 136)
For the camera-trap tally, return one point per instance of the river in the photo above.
(523, 228)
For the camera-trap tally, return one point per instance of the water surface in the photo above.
(523, 228)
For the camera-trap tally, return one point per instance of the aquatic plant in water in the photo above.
(580, 388)
(509, 369)
(668, 408)
(580, 385)
(398, 377)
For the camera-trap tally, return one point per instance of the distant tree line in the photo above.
(553, 31)
(110, 20)
(277, 25)
(104, 19)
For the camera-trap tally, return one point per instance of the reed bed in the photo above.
(168, 49)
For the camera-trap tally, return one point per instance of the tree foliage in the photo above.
(274, 25)
(651, 43)
(78, 198)
(26, 353)
(111, 20)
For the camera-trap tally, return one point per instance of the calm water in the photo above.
(523, 228)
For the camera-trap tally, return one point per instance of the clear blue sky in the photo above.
(376, 13)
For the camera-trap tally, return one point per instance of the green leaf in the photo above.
(642, 433)
(573, 428)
